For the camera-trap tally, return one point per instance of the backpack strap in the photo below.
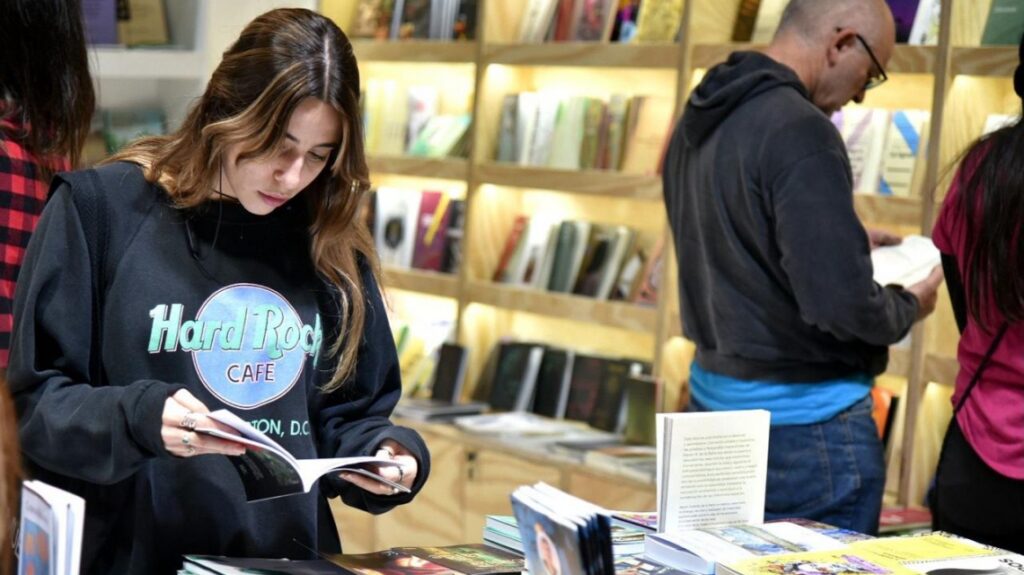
(981, 366)
(88, 197)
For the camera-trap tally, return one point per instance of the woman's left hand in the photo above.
(404, 473)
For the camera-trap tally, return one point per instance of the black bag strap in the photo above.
(981, 366)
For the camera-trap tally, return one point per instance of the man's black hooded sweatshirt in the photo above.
(774, 266)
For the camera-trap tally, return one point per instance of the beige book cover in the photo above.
(658, 21)
(146, 26)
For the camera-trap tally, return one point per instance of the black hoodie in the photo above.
(775, 276)
(176, 282)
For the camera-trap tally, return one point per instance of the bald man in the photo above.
(775, 277)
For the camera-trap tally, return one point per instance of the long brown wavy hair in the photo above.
(280, 59)
(10, 477)
(45, 87)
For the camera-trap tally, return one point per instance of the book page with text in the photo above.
(712, 468)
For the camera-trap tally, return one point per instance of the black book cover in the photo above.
(584, 387)
(552, 390)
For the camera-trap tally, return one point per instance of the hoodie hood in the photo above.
(727, 86)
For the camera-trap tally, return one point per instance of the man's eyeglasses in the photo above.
(878, 79)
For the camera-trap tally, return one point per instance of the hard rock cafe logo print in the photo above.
(248, 344)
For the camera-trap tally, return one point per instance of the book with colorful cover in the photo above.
(428, 252)
(50, 530)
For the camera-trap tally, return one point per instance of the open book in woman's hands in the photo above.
(268, 470)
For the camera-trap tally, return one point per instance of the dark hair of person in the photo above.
(46, 91)
(992, 202)
(280, 59)
(10, 477)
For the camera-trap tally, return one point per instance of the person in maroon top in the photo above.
(979, 486)
(46, 107)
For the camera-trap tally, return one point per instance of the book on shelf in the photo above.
(146, 24)
(453, 237)
(610, 154)
(712, 468)
(123, 125)
(561, 533)
(535, 243)
(1004, 24)
(643, 401)
(584, 387)
(431, 227)
(746, 17)
(590, 142)
(100, 20)
(551, 394)
(268, 470)
(515, 376)
(513, 249)
(463, 23)
(396, 212)
(443, 135)
(537, 17)
(864, 132)
(423, 103)
(645, 133)
(624, 28)
(592, 20)
(560, 28)
(925, 31)
(571, 247)
(412, 19)
(610, 408)
(445, 389)
(905, 263)
(903, 14)
(658, 21)
(372, 19)
(906, 140)
(50, 530)
(567, 137)
(625, 286)
(508, 130)
(648, 285)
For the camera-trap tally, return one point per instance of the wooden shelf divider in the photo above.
(584, 54)
(426, 282)
(592, 182)
(620, 315)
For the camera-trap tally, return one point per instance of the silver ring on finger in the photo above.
(401, 473)
(186, 440)
(189, 421)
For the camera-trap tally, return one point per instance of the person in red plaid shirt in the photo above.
(46, 107)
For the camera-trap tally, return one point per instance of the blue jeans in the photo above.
(833, 472)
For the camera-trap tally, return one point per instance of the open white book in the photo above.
(50, 533)
(906, 263)
(712, 468)
(268, 470)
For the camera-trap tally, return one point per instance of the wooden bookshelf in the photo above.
(958, 81)
(998, 61)
(584, 54)
(905, 59)
(413, 51)
(420, 281)
(620, 315)
(587, 182)
(417, 167)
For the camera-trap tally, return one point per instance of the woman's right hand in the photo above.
(183, 413)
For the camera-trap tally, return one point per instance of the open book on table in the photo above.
(268, 470)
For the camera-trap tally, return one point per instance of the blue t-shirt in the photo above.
(789, 403)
